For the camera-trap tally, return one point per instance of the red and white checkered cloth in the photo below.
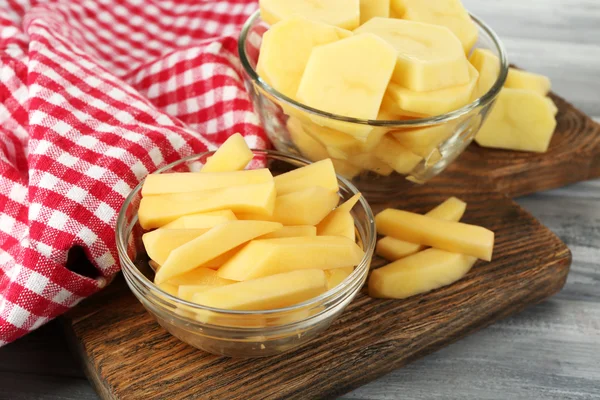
(94, 95)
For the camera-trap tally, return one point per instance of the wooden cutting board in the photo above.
(127, 355)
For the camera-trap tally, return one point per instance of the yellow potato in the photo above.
(448, 13)
(373, 8)
(553, 107)
(292, 231)
(435, 102)
(273, 256)
(396, 156)
(337, 275)
(266, 293)
(201, 220)
(519, 79)
(169, 288)
(429, 57)
(488, 66)
(418, 273)
(346, 169)
(320, 173)
(393, 249)
(160, 242)
(275, 47)
(337, 144)
(369, 162)
(348, 78)
(184, 182)
(304, 207)
(520, 120)
(307, 145)
(444, 235)
(342, 13)
(233, 155)
(422, 141)
(390, 106)
(211, 244)
(199, 276)
(156, 211)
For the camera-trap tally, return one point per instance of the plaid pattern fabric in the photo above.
(94, 95)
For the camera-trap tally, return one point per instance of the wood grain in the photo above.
(573, 156)
(128, 356)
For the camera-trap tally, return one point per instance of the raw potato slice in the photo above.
(273, 256)
(213, 243)
(396, 156)
(340, 222)
(369, 162)
(307, 145)
(391, 106)
(337, 144)
(394, 249)
(348, 78)
(184, 182)
(418, 273)
(337, 276)
(199, 276)
(169, 288)
(448, 13)
(552, 106)
(275, 47)
(435, 102)
(156, 211)
(397, 8)
(519, 79)
(488, 66)
(160, 242)
(305, 207)
(268, 293)
(444, 235)
(223, 258)
(373, 8)
(342, 13)
(345, 169)
(429, 57)
(292, 231)
(320, 173)
(202, 220)
(422, 141)
(233, 155)
(520, 120)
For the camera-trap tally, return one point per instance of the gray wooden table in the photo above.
(550, 351)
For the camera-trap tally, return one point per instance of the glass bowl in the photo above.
(434, 141)
(240, 333)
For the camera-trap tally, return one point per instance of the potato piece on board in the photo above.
(418, 273)
(429, 57)
(273, 256)
(449, 13)
(281, 64)
(393, 249)
(320, 173)
(266, 293)
(213, 243)
(233, 155)
(519, 79)
(435, 102)
(156, 211)
(520, 120)
(348, 78)
(184, 182)
(444, 235)
(342, 13)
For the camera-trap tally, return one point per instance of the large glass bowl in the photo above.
(436, 141)
(240, 333)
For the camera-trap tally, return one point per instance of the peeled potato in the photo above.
(488, 66)
(373, 8)
(519, 79)
(342, 13)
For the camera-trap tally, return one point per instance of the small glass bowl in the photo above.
(436, 141)
(240, 333)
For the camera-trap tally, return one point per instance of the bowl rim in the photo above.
(482, 101)
(123, 232)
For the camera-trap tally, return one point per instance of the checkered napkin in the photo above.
(94, 95)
